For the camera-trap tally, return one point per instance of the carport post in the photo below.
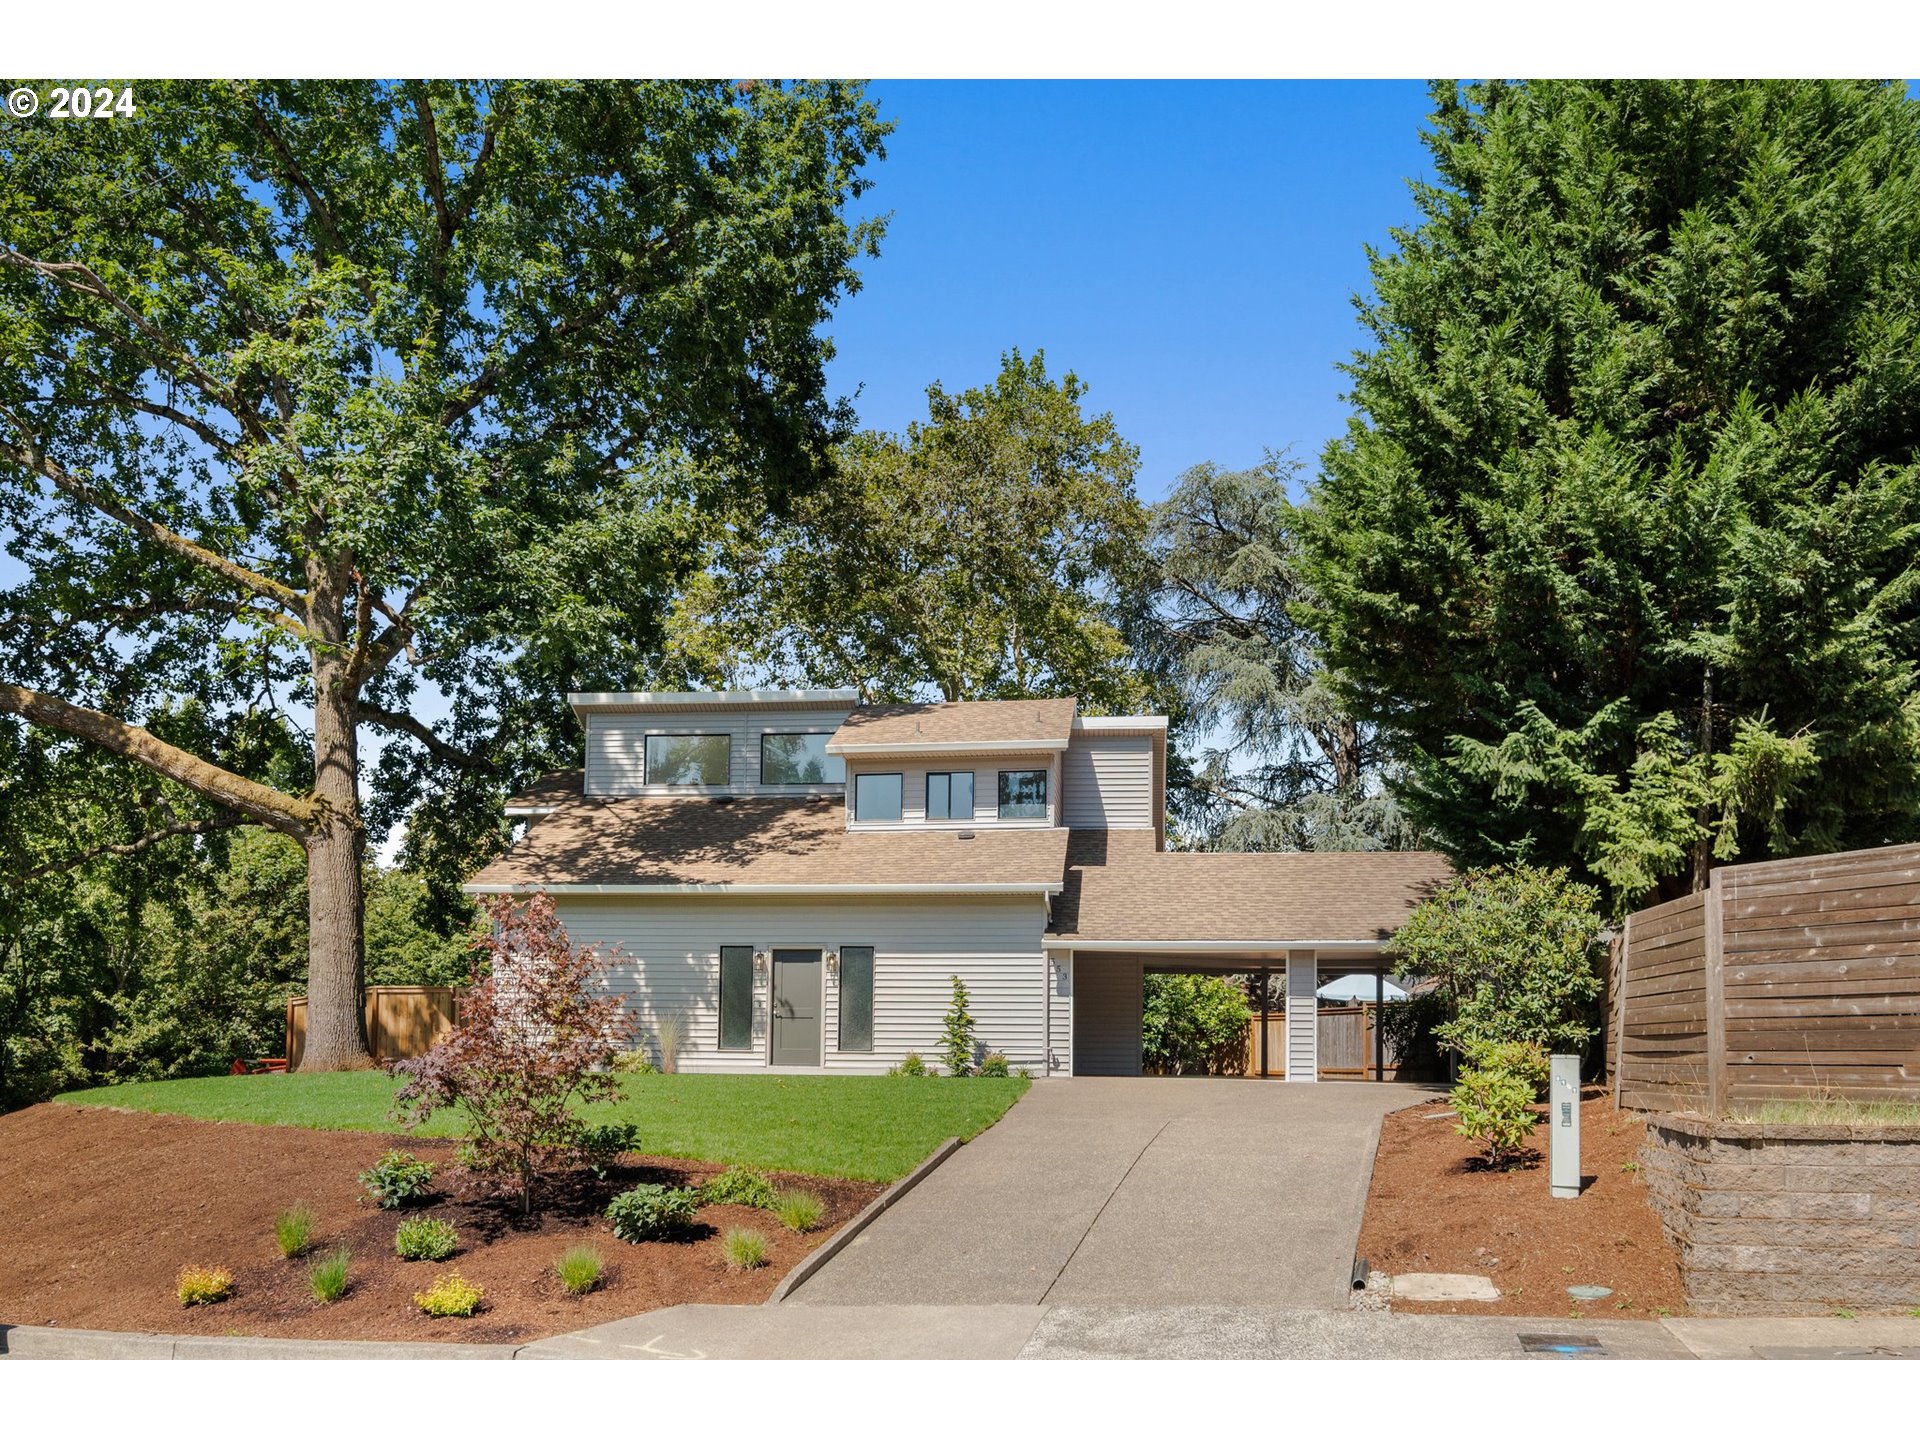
(1379, 1035)
(1264, 973)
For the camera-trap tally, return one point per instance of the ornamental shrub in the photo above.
(633, 1062)
(328, 1277)
(995, 1064)
(449, 1296)
(422, 1239)
(537, 1039)
(798, 1209)
(911, 1065)
(745, 1249)
(203, 1285)
(579, 1269)
(956, 1040)
(293, 1231)
(1193, 1025)
(602, 1145)
(1516, 952)
(1518, 1057)
(396, 1179)
(738, 1185)
(1494, 1106)
(653, 1212)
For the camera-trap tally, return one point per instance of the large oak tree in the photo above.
(389, 405)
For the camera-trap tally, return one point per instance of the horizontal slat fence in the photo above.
(402, 1021)
(1784, 979)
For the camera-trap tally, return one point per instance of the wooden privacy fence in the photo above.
(1783, 979)
(402, 1021)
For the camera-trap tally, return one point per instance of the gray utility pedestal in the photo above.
(1563, 1116)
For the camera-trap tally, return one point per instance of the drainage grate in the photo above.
(1562, 1345)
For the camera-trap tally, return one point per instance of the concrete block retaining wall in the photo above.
(1788, 1219)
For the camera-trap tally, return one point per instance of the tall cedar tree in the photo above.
(339, 394)
(987, 554)
(1619, 549)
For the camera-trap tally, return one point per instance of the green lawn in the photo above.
(858, 1126)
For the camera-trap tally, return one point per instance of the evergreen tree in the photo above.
(956, 1041)
(1619, 548)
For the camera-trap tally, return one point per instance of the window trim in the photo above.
(840, 1046)
(720, 990)
(796, 784)
(1046, 793)
(646, 758)
(973, 791)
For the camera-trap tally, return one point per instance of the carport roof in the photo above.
(1119, 889)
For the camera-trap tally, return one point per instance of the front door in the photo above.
(796, 1007)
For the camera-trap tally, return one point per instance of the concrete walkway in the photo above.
(1134, 1193)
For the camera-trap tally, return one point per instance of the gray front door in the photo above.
(796, 1007)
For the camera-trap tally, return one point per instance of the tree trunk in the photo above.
(336, 850)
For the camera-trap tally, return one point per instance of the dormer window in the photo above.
(799, 760)
(950, 795)
(876, 797)
(1023, 794)
(688, 759)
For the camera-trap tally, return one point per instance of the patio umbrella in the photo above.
(1352, 988)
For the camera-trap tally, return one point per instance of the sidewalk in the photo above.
(1051, 1332)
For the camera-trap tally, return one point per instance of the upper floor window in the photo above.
(950, 795)
(799, 760)
(876, 797)
(1023, 794)
(688, 759)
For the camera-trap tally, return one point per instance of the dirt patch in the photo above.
(99, 1209)
(1432, 1209)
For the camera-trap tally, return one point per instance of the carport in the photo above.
(1128, 909)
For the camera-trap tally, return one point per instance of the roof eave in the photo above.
(529, 887)
(882, 749)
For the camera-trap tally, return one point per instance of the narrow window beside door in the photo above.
(856, 998)
(736, 997)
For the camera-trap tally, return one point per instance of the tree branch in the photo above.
(262, 803)
(403, 724)
(334, 245)
(28, 455)
(225, 821)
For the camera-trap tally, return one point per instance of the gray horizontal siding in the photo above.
(1108, 782)
(1303, 1016)
(1106, 1014)
(1060, 1014)
(986, 788)
(616, 747)
(670, 963)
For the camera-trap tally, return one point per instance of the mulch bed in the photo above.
(1432, 1208)
(99, 1210)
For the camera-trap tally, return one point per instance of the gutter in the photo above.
(948, 747)
(529, 887)
(1201, 947)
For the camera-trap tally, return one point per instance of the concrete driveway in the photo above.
(1134, 1192)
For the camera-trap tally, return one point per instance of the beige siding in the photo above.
(1108, 784)
(616, 747)
(670, 963)
(986, 789)
(1060, 1014)
(1106, 1014)
(1303, 1016)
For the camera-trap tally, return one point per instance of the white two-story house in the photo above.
(795, 878)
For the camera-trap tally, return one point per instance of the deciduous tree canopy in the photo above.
(323, 397)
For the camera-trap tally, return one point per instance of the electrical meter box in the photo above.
(1563, 1117)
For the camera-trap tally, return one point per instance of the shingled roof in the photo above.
(1042, 724)
(553, 788)
(759, 841)
(1119, 889)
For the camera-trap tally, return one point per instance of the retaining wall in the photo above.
(1788, 1219)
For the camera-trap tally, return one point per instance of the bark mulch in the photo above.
(100, 1209)
(1433, 1208)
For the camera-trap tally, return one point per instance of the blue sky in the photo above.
(1190, 250)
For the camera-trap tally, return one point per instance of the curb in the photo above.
(43, 1342)
(846, 1234)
